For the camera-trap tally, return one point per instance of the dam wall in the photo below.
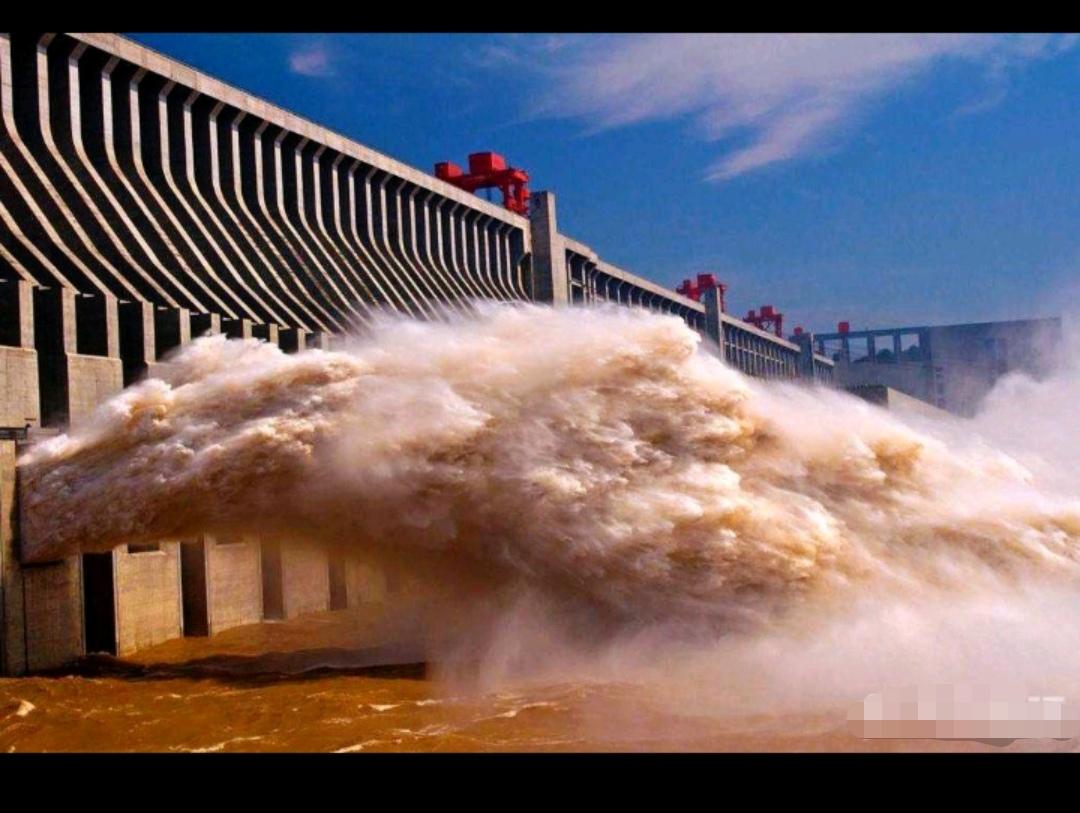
(130, 177)
(143, 204)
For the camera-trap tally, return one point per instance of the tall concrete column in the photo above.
(806, 355)
(79, 366)
(714, 328)
(551, 283)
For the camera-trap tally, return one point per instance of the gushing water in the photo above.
(597, 464)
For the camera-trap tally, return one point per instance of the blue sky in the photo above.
(886, 180)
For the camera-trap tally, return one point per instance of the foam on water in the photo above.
(593, 463)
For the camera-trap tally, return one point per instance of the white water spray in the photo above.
(600, 458)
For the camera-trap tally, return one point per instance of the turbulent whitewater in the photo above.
(604, 455)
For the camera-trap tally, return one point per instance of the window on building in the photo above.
(911, 347)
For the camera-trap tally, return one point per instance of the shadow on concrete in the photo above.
(256, 670)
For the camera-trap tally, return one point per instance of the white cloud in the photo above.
(311, 60)
(787, 95)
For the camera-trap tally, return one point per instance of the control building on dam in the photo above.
(143, 203)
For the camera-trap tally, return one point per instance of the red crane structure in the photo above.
(768, 319)
(704, 282)
(488, 170)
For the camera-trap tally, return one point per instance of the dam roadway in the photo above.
(143, 203)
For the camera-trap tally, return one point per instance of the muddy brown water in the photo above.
(322, 683)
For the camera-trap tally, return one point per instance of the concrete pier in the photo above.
(295, 579)
(221, 582)
(148, 599)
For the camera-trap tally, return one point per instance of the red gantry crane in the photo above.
(693, 289)
(768, 319)
(488, 170)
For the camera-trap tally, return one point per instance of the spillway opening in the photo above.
(99, 603)
(193, 587)
(272, 585)
(339, 599)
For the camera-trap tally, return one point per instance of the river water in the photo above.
(310, 685)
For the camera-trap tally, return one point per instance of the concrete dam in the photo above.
(143, 203)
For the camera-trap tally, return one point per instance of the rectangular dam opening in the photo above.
(193, 587)
(99, 603)
(339, 596)
(273, 594)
